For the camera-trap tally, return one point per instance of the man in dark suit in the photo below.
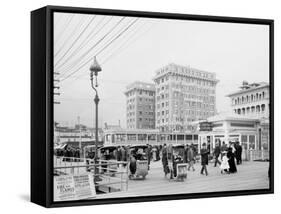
(238, 153)
(217, 152)
(204, 159)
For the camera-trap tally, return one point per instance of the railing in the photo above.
(109, 175)
(255, 155)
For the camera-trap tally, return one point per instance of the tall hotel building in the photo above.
(183, 95)
(140, 105)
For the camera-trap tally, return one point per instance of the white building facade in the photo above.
(252, 100)
(183, 95)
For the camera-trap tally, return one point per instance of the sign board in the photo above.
(74, 187)
(205, 126)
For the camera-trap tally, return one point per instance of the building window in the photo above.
(263, 107)
(239, 111)
(253, 109)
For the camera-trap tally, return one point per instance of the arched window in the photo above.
(253, 109)
(263, 107)
(239, 111)
(258, 108)
(243, 110)
(263, 94)
(252, 97)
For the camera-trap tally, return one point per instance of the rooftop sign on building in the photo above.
(205, 126)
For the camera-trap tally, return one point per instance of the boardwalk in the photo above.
(251, 175)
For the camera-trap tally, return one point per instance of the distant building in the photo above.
(183, 95)
(140, 105)
(252, 100)
(65, 134)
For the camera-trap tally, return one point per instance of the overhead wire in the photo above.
(75, 41)
(97, 43)
(101, 50)
(91, 48)
(90, 37)
(63, 29)
(69, 37)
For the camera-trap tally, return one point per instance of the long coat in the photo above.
(204, 156)
(165, 160)
(190, 155)
(231, 162)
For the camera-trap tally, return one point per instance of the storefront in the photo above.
(231, 128)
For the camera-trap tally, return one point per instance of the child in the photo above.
(224, 163)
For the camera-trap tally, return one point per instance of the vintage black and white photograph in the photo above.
(153, 106)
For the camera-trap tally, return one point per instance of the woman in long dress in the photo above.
(231, 161)
(224, 163)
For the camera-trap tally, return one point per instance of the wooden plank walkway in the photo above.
(250, 175)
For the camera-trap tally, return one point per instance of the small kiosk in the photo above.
(229, 128)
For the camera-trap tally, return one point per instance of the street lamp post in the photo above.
(95, 69)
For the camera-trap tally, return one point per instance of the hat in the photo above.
(204, 144)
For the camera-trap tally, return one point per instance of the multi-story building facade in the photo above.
(183, 95)
(140, 105)
(252, 100)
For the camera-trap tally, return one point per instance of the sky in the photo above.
(131, 49)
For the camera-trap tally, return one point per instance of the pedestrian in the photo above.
(238, 153)
(224, 163)
(204, 159)
(231, 160)
(123, 155)
(217, 152)
(190, 158)
(133, 164)
(165, 160)
(157, 153)
(223, 147)
(148, 155)
(185, 150)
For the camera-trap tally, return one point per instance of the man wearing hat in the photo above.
(204, 159)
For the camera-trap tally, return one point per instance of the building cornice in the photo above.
(247, 90)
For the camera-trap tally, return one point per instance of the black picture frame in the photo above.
(42, 104)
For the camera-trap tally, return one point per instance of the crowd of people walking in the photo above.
(226, 156)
